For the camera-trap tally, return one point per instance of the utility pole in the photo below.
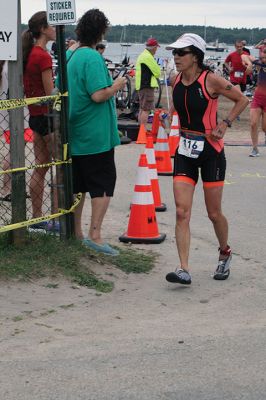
(17, 146)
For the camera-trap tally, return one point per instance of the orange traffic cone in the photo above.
(149, 151)
(142, 225)
(141, 135)
(155, 124)
(174, 136)
(162, 154)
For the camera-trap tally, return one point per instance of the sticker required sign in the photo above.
(61, 12)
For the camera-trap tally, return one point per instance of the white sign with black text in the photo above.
(61, 12)
(8, 29)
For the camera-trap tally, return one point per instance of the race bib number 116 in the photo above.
(190, 148)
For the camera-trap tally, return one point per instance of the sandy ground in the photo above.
(148, 339)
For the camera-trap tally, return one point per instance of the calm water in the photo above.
(116, 52)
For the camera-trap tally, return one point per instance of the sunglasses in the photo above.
(180, 52)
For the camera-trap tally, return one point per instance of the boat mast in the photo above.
(123, 34)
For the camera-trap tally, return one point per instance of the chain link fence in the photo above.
(40, 182)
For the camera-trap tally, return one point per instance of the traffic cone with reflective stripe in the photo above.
(149, 151)
(141, 135)
(142, 225)
(162, 154)
(174, 136)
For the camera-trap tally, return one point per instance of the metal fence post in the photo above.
(67, 229)
(17, 149)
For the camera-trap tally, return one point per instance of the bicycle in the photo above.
(123, 96)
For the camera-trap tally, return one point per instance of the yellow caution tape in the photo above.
(41, 219)
(51, 164)
(65, 148)
(57, 102)
(17, 103)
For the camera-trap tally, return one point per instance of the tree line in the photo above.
(169, 33)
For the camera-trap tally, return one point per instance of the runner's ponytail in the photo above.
(36, 23)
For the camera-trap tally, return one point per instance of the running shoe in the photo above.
(254, 153)
(47, 226)
(222, 271)
(248, 93)
(179, 276)
(104, 248)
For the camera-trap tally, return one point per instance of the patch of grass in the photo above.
(130, 260)
(84, 279)
(47, 256)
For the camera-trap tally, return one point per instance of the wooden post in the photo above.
(17, 147)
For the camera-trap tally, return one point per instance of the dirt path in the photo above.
(149, 339)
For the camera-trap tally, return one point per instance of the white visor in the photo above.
(186, 40)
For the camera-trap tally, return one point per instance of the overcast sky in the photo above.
(223, 13)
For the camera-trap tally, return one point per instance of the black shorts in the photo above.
(211, 163)
(41, 124)
(95, 174)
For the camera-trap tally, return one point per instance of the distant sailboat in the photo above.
(123, 42)
(124, 47)
(216, 46)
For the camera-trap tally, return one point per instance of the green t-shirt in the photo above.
(92, 126)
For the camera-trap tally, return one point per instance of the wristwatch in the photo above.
(228, 122)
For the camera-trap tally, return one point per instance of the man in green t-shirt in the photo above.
(147, 73)
(93, 126)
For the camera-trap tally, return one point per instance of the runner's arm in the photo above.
(216, 86)
(228, 66)
(247, 62)
(258, 45)
(47, 81)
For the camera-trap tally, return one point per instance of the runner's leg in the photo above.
(42, 156)
(183, 193)
(213, 201)
(255, 114)
(263, 123)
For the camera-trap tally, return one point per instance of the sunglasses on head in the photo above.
(180, 52)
